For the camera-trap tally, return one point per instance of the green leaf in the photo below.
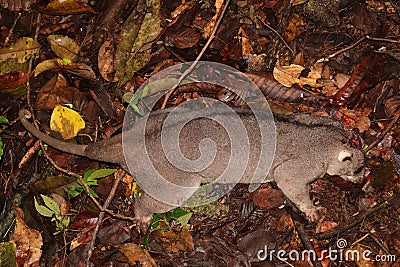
(87, 174)
(51, 204)
(75, 191)
(100, 174)
(44, 211)
(4, 120)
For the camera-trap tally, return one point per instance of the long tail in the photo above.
(60, 145)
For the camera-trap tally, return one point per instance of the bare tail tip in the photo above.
(24, 114)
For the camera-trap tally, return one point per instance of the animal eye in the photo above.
(348, 158)
(359, 170)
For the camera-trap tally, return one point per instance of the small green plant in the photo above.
(3, 120)
(52, 210)
(161, 221)
(91, 178)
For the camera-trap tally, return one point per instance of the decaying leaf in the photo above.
(13, 78)
(135, 254)
(64, 47)
(106, 59)
(181, 241)
(79, 69)
(290, 75)
(28, 241)
(66, 121)
(268, 198)
(139, 30)
(22, 50)
(57, 7)
(186, 38)
(45, 65)
(56, 92)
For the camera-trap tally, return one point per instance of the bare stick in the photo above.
(367, 37)
(382, 135)
(279, 36)
(183, 76)
(118, 177)
(10, 32)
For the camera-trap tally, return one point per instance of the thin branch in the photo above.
(277, 34)
(10, 32)
(101, 216)
(367, 37)
(384, 133)
(186, 73)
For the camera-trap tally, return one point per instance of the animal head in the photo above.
(348, 163)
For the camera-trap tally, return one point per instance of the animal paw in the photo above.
(313, 213)
(142, 220)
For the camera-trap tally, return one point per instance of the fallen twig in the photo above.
(118, 177)
(393, 201)
(186, 73)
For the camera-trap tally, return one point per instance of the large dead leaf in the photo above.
(186, 38)
(22, 50)
(79, 69)
(139, 31)
(56, 92)
(136, 254)
(290, 75)
(13, 78)
(28, 241)
(181, 241)
(57, 7)
(64, 47)
(106, 59)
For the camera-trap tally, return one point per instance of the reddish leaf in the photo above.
(28, 241)
(268, 198)
(13, 78)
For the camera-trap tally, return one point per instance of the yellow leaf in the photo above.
(66, 121)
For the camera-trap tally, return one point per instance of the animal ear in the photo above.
(345, 156)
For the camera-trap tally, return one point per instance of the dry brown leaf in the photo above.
(186, 38)
(64, 7)
(284, 223)
(341, 79)
(28, 241)
(297, 2)
(106, 59)
(22, 50)
(210, 26)
(56, 92)
(135, 254)
(45, 65)
(64, 47)
(268, 198)
(288, 75)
